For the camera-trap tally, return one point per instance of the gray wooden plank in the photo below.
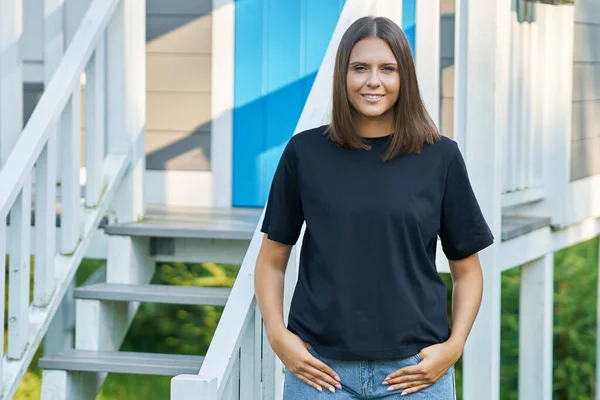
(192, 222)
(163, 294)
(179, 34)
(32, 92)
(586, 81)
(177, 111)
(586, 120)
(587, 11)
(586, 47)
(516, 225)
(447, 23)
(123, 362)
(178, 7)
(172, 150)
(585, 158)
(172, 72)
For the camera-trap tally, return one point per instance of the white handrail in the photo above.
(37, 145)
(32, 140)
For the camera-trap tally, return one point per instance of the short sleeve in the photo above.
(463, 229)
(284, 216)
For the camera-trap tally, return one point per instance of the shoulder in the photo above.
(310, 137)
(445, 148)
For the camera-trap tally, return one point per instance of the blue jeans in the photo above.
(362, 380)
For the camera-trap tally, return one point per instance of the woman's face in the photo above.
(373, 80)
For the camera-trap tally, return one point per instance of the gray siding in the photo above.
(178, 78)
(585, 145)
(447, 12)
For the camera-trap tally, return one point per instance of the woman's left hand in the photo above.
(436, 361)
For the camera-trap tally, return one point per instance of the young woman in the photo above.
(375, 187)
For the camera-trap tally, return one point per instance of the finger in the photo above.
(321, 366)
(404, 379)
(327, 380)
(415, 389)
(412, 370)
(309, 382)
(408, 385)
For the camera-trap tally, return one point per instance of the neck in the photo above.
(374, 127)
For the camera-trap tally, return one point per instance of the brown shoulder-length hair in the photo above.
(412, 124)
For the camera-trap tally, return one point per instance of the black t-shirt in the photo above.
(368, 287)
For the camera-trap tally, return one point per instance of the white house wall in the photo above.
(585, 145)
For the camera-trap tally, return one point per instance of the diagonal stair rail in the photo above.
(99, 48)
(239, 363)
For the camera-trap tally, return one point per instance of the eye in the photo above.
(360, 68)
(390, 68)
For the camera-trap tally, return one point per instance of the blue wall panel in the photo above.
(409, 21)
(279, 46)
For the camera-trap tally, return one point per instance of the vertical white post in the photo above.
(391, 9)
(53, 52)
(223, 38)
(535, 329)
(11, 76)
(46, 167)
(45, 224)
(248, 354)
(482, 100)
(70, 191)
(427, 50)
(94, 130)
(461, 30)
(53, 37)
(2, 278)
(192, 387)
(19, 267)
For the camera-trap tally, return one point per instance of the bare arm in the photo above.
(268, 284)
(466, 297)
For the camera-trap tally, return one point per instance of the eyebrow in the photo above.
(365, 63)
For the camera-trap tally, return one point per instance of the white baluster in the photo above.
(94, 129)
(535, 329)
(19, 273)
(45, 224)
(11, 79)
(2, 278)
(248, 356)
(71, 160)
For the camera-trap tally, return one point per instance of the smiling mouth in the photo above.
(372, 97)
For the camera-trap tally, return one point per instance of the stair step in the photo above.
(192, 222)
(123, 362)
(166, 294)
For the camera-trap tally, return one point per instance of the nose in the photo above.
(373, 81)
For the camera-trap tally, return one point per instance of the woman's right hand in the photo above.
(294, 354)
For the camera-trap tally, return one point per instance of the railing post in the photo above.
(193, 387)
(11, 124)
(70, 189)
(94, 129)
(481, 82)
(535, 329)
(427, 54)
